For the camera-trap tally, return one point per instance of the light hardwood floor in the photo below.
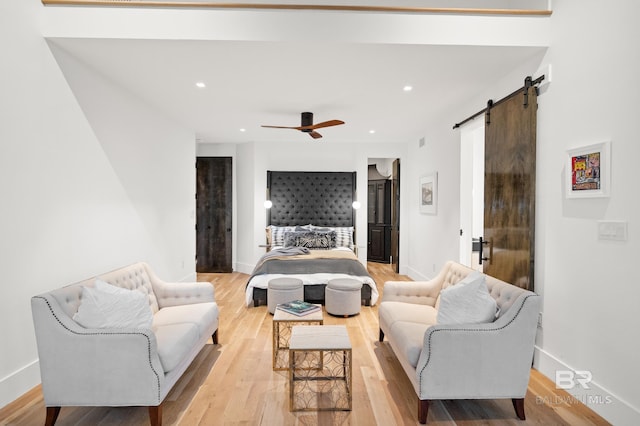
(233, 383)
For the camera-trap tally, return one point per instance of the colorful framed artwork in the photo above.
(429, 193)
(589, 171)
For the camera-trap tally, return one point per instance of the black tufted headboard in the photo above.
(319, 198)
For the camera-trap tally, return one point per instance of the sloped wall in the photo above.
(87, 185)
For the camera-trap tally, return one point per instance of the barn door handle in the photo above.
(482, 244)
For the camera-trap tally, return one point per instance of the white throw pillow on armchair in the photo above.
(467, 302)
(108, 306)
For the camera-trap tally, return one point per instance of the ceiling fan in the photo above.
(307, 125)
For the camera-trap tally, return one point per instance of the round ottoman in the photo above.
(342, 296)
(282, 290)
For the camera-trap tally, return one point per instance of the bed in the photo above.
(314, 266)
(310, 235)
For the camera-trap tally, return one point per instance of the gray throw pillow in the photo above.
(467, 302)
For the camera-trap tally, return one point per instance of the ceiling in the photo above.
(250, 83)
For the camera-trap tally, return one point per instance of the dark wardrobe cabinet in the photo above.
(379, 221)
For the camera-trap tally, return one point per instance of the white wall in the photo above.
(154, 162)
(87, 185)
(590, 295)
(250, 209)
(590, 300)
(434, 238)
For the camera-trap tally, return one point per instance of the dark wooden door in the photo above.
(371, 202)
(213, 214)
(376, 240)
(379, 217)
(395, 216)
(509, 190)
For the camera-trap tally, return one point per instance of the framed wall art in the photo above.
(429, 193)
(588, 171)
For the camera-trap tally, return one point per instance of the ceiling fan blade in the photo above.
(281, 127)
(321, 125)
(308, 126)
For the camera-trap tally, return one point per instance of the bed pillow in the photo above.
(108, 306)
(310, 239)
(344, 234)
(275, 234)
(467, 302)
(268, 235)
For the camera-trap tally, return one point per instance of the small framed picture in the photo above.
(588, 171)
(429, 194)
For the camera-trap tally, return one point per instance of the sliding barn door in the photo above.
(509, 189)
(213, 214)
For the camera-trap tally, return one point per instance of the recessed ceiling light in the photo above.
(243, 130)
(201, 84)
(372, 131)
(407, 88)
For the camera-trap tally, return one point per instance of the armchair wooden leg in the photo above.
(214, 337)
(518, 404)
(423, 410)
(381, 338)
(155, 415)
(52, 416)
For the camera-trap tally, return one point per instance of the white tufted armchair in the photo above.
(460, 361)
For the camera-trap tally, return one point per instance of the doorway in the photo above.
(471, 192)
(383, 211)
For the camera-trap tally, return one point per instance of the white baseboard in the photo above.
(415, 275)
(244, 268)
(190, 278)
(19, 382)
(609, 406)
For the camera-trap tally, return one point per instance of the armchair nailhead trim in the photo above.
(432, 332)
(94, 334)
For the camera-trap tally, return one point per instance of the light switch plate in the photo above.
(612, 230)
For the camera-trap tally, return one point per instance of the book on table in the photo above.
(298, 307)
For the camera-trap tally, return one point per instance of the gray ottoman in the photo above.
(342, 296)
(282, 290)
